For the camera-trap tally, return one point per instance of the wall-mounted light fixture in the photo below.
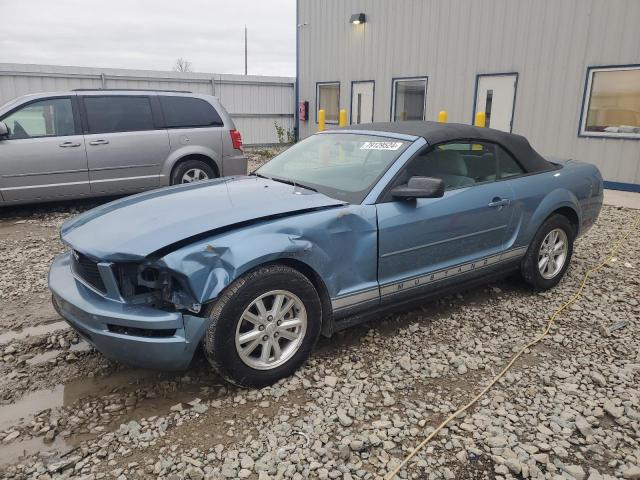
(357, 18)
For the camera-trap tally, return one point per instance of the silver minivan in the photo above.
(85, 143)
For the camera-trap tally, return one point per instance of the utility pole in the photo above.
(245, 49)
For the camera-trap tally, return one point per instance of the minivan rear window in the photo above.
(184, 112)
(118, 114)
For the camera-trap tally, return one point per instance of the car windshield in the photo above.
(344, 166)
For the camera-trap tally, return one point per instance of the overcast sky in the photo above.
(151, 34)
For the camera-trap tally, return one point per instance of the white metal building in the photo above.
(255, 102)
(564, 73)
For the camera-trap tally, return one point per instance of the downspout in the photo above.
(296, 119)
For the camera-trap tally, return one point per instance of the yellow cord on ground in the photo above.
(552, 319)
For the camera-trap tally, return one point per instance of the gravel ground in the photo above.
(569, 408)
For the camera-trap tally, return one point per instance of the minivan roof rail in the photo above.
(128, 90)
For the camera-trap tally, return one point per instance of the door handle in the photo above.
(69, 144)
(499, 202)
(99, 142)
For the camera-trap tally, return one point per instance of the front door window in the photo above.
(47, 118)
(462, 164)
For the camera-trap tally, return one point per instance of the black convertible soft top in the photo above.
(435, 132)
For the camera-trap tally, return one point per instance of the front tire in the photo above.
(549, 254)
(263, 327)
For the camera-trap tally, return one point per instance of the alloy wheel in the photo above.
(553, 253)
(194, 175)
(271, 330)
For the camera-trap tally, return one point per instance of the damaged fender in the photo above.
(339, 244)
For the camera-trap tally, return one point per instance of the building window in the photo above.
(612, 103)
(409, 99)
(328, 99)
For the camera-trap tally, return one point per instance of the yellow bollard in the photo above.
(442, 116)
(321, 120)
(481, 119)
(342, 122)
(343, 118)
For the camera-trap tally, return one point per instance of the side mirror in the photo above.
(419, 187)
(4, 130)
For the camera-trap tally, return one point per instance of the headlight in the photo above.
(150, 277)
(152, 285)
(140, 280)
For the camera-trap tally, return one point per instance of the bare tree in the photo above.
(182, 65)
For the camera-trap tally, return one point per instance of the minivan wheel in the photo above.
(263, 327)
(191, 171)
(549, 254)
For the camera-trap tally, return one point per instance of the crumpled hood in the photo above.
(136, 226)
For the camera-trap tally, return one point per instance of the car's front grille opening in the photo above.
(87, 270)
(142, 332)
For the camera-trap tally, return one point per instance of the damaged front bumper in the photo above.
(138, 335)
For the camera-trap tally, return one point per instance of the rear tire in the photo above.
(549, 253)
(239, 334)
(189, 171)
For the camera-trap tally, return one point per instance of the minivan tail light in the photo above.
(236, 139)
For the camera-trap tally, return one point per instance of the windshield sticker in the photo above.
(381, 145)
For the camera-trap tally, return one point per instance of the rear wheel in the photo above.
(549, 254)
(263, 327)
(189, 171)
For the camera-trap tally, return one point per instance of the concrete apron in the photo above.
(619, 198)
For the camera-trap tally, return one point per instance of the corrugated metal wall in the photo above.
(254, 102)
(550, 43)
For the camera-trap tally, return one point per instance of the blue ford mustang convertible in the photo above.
(342, 226)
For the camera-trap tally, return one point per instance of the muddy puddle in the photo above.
(16, 451)
(44, 357)
(64, 395)
(83, 390)
(81, 346)
(43, 329)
